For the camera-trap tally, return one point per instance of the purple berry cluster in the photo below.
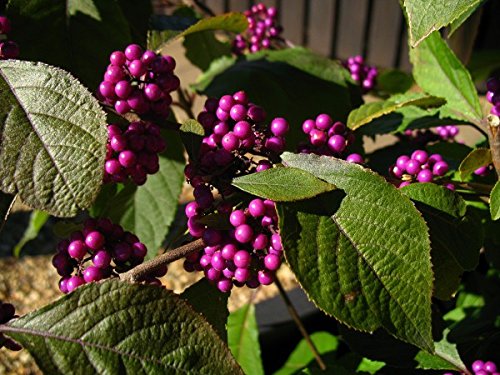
(419, 167)
(8, 48)
(482, 368)
(133, 153)
(365, 75)
(493, 95)
(234, 129)
(263, 30)
(328, 138)
(139, 81)
(98, 251)
(7, 312)
(247, 254)
(447, 132)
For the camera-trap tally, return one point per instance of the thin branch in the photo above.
(204, 8)
(300, 326)
(185, 103)
(141, 271)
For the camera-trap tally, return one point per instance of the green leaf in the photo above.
(394, 81)
(148, 210)
(370, 111)
(192, 134)
(446, 356)
(477, 158)
(52, 150)
(202, 48)
(208, 301)
(82, 34)
(283, 184)
(37, 221)
(6, 203)
(363, 258)
(495, 202)
(232, 22)
(115, 327)
(294, 83)
(456, 237)
(301, 356)
(438, 71)
(482, 64)
(243, 339)
(137, 13)
(424, 18)
(455, 25)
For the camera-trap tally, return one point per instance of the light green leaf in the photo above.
(116, 326)
(370, 111)
(208, 301)
(192, 132)
(364, 257)
(301, 356)
(283, 184)
(477, 158)
(446, 356)
(37, 221)
(52, 150)
(425, 17)
(437, 71)
(495, 202)
(243, 339)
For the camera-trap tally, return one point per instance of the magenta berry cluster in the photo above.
(419, 167)
(247, 254)
(480, 367)
(139, 81)
(330, 138)
(493, 95)
(447, 132)
(365, 75)
(98, 251)
(7, 312)
(133, 153)
(8, 48)
(263, 30)
(234, 129)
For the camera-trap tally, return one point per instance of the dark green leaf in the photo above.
(115, 327)
(477, 158)
(370, 111)
(495, 202)
(363, 258)
(148, 210)
(82, 34)
(283, 184)
(208, 301)
(52, 150)
(438, 71)
(137, 13)
(482, 64)
(37, 221)
(455, 25)
(425, 17)
(243, 339)
(202, 48)
(192, 133)
(6, 203)
(394, 81)
(293, 83)
(456, 238)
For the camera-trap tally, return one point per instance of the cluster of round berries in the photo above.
(493, 95)
(101, 242)
(8, 48)
(447, 132)
(7, 312)
(365, 75)
(328, 138)
(482, 368)
(139, 81)
(234, 128)
(247, 254)
(133, 153)
(420, 167)
(263, 30)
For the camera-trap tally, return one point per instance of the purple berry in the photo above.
(272, 262)
(440, 168)
(425, 175)
(74, 282)
(92, 273)
(242, 259)
(243, 233)
(77, 249)
(256, 208)
(413, 166)
(279, 126)
(101, 259)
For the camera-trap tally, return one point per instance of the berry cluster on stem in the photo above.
(330, 138)
(133, 153)
(493, 95)
(263, 30)
(139, 81)
(98, 251)
(365, 75)
(8, 48)
(419, 167)
(7, 312)
(482, 368)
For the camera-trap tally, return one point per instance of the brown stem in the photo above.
(143, 270)
(494, 139)
(185, 103)
(300, 326)
(204, 8)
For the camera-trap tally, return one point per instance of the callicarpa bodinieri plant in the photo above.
(396, 245)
